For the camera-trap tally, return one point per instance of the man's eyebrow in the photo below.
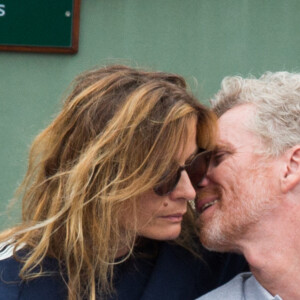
(223, 147)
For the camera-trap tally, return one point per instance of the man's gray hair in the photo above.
(276, 97)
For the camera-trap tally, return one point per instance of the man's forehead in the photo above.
(237, 115)
(233, 131)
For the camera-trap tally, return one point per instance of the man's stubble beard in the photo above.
(233, 216)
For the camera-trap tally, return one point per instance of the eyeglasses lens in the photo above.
(198, 168)
(168, 185)
(196, 171)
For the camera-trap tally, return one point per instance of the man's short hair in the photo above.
(276, 97)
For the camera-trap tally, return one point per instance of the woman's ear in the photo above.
(291, 175)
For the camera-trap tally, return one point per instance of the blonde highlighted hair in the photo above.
(117, 133)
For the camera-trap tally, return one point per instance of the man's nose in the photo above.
(204, 182)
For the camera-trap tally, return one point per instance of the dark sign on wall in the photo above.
(39, 25)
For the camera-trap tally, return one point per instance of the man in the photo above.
(249, 202)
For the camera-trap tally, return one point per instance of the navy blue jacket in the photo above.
(173, 274)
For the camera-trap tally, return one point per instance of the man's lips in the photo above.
(204, 203)
(207, 197)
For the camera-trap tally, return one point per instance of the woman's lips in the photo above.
(175, 218)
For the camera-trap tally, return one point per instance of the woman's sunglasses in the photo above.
(196, 170)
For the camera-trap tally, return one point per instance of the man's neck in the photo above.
(272, 249)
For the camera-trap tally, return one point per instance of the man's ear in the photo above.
(291, 176)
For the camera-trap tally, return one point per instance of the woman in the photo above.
(108, 181)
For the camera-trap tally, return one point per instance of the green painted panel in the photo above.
(36, 23)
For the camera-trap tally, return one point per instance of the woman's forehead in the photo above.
(188, 145)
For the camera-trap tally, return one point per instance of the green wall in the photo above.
(204, 40)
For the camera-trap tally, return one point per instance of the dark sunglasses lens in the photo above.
(198, 168)
(167, 185)
(196, 171)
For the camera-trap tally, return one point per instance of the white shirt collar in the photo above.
(253, 290)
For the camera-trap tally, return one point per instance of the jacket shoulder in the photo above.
(12, 287)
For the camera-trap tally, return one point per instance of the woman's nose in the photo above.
(184, 188)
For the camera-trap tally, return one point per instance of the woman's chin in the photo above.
(163, 234)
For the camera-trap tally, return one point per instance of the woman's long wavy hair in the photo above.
(119, 130)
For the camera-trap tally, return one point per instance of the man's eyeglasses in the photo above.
(196, 170)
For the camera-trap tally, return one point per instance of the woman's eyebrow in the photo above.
(197, 150)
